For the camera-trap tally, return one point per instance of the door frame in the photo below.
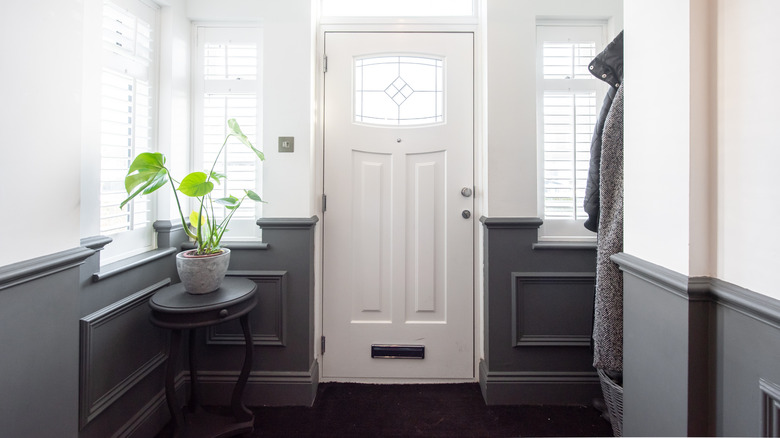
(425, 25)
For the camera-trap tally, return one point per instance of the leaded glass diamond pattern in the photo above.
(399, 90)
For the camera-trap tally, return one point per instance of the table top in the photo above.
(175, 308)
(175, 299)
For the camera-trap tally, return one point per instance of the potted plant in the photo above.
(201, 269)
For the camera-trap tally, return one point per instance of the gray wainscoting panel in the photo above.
(655, 350)
(267, 320)
(119, 348)
(538, 295)
(122, 353)
(747, 353)
(39, 306)
(701, 355)
(538, 305)
(284, 370)
(770, 408)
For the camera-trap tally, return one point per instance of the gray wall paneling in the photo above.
(700, 354)
(39, 363)
(746, 359)
(538, 305)
(122, 365)
(81, 359)
(285, 370)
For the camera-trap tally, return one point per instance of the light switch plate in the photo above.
(286, 144)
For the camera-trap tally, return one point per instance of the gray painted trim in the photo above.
(522, 340)
(139, 424)
(760, 307)
(167, 226)
(130, 263)
(591, 246)
(90, 409)
(264, 388)
(276, 339)
(770, 408)
(232, 245)
(511, 222)
(538, 387)
(39, 267)
(543, 376)
(287, 223)
(96, 242)
(669, 280)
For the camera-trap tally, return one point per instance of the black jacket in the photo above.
(607, 66)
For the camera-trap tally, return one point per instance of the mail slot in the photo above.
(393, 351)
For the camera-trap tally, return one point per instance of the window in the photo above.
(399, 90)
(397, 8)
(127, 118)
(568, 101)
(227, 86)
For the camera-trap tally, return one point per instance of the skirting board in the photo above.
(532, 388)
(153, 417)
(264, 388)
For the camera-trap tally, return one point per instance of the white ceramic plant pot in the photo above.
(202, 274)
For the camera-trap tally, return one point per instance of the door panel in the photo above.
(398, 253)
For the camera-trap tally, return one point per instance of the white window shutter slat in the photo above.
(127, 109)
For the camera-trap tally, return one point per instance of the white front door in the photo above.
(398, 230)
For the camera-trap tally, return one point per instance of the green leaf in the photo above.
(158, 182)
(147, 161)
(195, 185)
(236, 131)
(253, 196)
(231, 202)
(216, 176)
(146, 174)
(257, 152)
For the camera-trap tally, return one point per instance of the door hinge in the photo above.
(324, 202)
(322, 345)
(325, 64)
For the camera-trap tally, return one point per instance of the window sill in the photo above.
(129, 263)
(254, 245)
(564, 245)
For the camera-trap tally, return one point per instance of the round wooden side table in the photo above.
(175, 309)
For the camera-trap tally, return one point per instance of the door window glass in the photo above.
(399, 90)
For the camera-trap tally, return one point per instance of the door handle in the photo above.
(466, 192)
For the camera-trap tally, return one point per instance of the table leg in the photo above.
(240, 411)
(170, 384)
(194, 391)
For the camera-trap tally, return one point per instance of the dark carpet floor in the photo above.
(449, 410)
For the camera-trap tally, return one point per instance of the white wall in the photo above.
(701, 138)
(175, 85)
(40, 127)
(511, 94)
(748, 144)
(287, 94)
(657, 132)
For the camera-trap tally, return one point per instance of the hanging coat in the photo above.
(608, 67)
(608, 304)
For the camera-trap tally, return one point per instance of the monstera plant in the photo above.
(148, 173)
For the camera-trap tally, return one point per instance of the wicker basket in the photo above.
(613, 398)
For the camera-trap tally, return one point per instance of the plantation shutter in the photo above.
(568, 111)
(229, 85)
(127, 110)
